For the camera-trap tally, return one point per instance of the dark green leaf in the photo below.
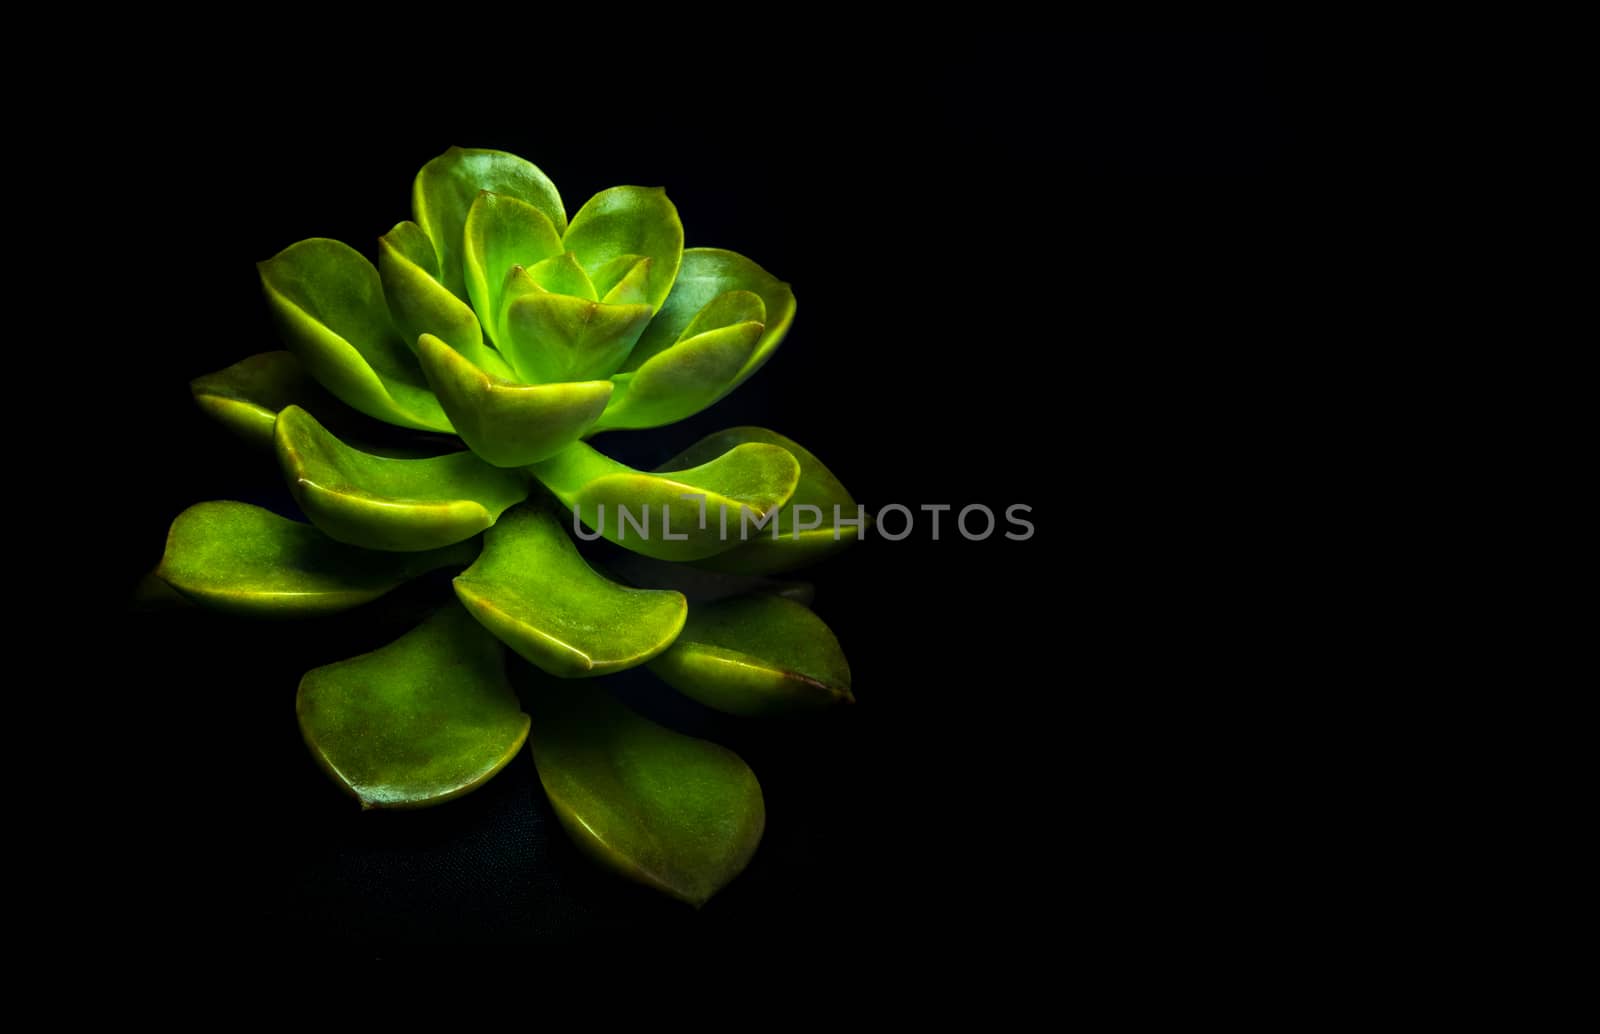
(678, 814)
(419, 722)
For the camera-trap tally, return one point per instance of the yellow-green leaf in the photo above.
(532, 589)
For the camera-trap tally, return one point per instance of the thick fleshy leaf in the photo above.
(699, 585)
(505, 423)
(756, 655)
(556, 337)
(447, 187)
(625, 280)
(246, 396)
(784, 550)
(672, 812)
(681, 381)
(328, 300)
(419, 722)
(682, 515)
(240, 558)
(412, 243)
(532, 589)
(377, 502)
(561, 274)
(630, 221)
(502, 232)
(707, 273)
(420, 304)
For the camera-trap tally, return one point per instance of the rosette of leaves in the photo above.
(493, 317)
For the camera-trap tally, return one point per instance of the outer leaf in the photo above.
(246, 396)
(630, 221)
(502, 232)
(699, 585)
(394, 504)
(678, 814)
(329, 303)
(817, 487)
(556, 337)
(243, 559)
(756, 655)
(707, 273)
(419, 722)
(747, 484)
(447, 186)
(420, 304)
(508, 424)
(532, 589)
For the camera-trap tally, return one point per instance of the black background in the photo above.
(1021, 264)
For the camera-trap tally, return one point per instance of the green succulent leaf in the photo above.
(447, 187)
(707, 273)
(506, 423)
(675, 813)
(628, 221)
(766, 554)
(558, 337)
(561, 274)
(728, 309)
(412, 244)
(681, 381)
(625, 280)
(532, 589)
(756, 655)
(246, 397)
(699, 585)
(242, 559)
(419, 722)
(502, 232)
(420, 304)
(328, 301)
(377, 502)
(746, 484)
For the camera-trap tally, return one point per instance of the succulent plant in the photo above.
(492, 317)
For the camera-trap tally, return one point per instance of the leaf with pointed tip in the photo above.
(744, 485)
(681, 381)
(502, 232)
(328, 300)
(817, 487)
(681, 815)
(242, 559)
(447, 187)
(707, 273)
(756, 655)
(625, 280)
(728, 309)
(505, 423)
(561, 274)
(246, 397)
(420, 304)
(419, 722)
(532, 589)
(376, 502)
(557, 337)
(630, 221)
